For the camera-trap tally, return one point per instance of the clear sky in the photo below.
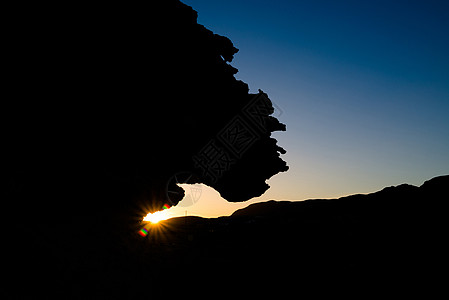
(363, 87)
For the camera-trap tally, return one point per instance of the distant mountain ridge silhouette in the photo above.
(403, 196)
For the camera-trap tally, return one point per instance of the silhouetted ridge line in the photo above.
(403, 197)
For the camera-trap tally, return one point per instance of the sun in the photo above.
(157, 216)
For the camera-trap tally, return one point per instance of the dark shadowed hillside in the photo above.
(389, 241)
(355, 245)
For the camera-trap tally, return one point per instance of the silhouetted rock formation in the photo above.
(109, 107)
(112, 102)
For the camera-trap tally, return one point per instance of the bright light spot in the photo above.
(157, 216)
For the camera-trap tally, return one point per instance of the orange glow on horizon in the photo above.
(157, 216)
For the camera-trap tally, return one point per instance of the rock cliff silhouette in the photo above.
(110, 103)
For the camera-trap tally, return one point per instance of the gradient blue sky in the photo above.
(363, 87)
